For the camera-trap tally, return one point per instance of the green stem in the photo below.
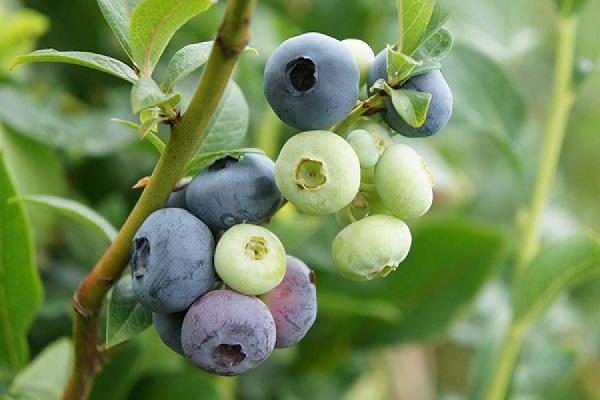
(231, 40)
(562, 103)
(374, 102)
(504, 367)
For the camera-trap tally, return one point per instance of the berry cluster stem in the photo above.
(562, 103)
(371, 104)
(231, 40)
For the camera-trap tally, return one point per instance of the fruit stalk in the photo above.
(562, 103)
(369, 105)
(231, 40)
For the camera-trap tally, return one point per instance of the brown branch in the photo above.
(231, 40)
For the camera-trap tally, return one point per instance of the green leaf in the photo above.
(125, 317)
(199, 163)
(154, 22)
(228, 125)
(91, 132)
(410, 104)
(128, 124)
(99, 62)
(184, 62)
(449, 262)
(436, 47)
(414, 20)
(150, 125)
(557, 269)
(569, 7)
(489, 98)
(146, 93)
(399, 66)
(75, 211)
(47, 375)
(20, 287)
(439, 16)
(20, 29)
(117, 13)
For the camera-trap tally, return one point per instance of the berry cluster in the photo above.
(202, 294)
(372, 182)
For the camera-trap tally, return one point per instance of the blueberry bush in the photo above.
(264, 199)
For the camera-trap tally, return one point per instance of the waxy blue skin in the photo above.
(440, 108)
(293, 303)
(168, 327)
(172, 261)
(228, 333)
(233, 191)
(329, 81)
(177, 199)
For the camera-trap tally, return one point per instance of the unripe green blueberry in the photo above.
(250, 259)
(404, 182)
(371, 247)
(367, 146)
(318, 172)
(362, 54)
(363, 205)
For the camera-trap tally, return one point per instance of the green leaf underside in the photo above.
(150, 125)
(154, 22)
(125, 316)
(184, 62)
(95, 61)
(46, 377)
(203, 161)
(410, 104)
(436, 47)
(146, 94)
(229, 123)
(449, 262)
(76, 211)
(117, 13)
(488, 96)
(399, 66)
(416, 15)
(557, 269)
(91, 132)
(20, 287)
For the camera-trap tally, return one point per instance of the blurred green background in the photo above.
(431, 329)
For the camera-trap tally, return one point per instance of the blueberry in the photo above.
(404, 182)
(293, 303)
(363, 56)
(371, 247)
(177, 199)
(440, 108)
(250, 259)
(168, 327)
(311, 81)
(172, 260)
(233, 191)
(227, 333)
(367, 146)
(318, 172)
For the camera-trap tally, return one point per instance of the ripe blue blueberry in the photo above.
(168, 327)
(440, 108)
(227, 333)
(172, 261)
(293, 303)
(233, 191)
(311, 81)
(177, 199)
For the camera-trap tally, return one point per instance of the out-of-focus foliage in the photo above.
(433, 326)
